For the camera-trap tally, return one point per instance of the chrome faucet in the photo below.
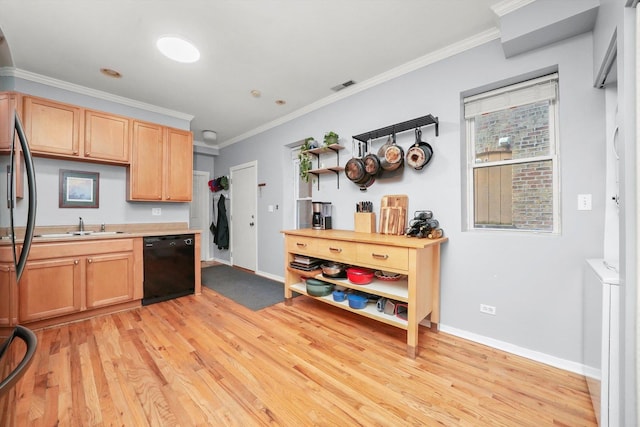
(81, 225)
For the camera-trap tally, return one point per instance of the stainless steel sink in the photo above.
(104, 233)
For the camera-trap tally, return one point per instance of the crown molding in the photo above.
(83, 90)
(451, 50)
(508, 6)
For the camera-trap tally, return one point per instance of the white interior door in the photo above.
(199, 211)
(244, 220)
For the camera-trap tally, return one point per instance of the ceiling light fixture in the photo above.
(109, 72)
(281, 101)
(256, 93)
(178, 49)
(209, 135)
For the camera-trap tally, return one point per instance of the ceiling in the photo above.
(291, 50)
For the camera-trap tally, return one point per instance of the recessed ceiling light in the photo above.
(110, 73)
(281, 101)
(178, 49)
(256, 93)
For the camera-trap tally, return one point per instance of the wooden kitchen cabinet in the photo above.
(9, 101)
(418, 259)
(52, 128)
(106, 136)
(161, 166)
(109, 279)
(71, 280)
(55, 129)
(50, 288)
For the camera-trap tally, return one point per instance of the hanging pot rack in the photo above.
(429, 119)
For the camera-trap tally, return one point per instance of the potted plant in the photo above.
(330, 138)
(305, 158)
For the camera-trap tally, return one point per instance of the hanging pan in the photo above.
(354, 169)
(420, 153)
(372, 163)
(391, 155)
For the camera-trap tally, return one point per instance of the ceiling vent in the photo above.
(343, 85)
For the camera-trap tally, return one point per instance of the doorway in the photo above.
(244, 220)
(199, 211)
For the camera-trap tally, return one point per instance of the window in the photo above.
(302, 194)
(512, 165)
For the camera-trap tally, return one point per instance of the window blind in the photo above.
(540, 89)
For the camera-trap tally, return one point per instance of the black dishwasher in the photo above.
(169, 268)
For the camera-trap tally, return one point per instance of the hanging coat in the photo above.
(221, 230)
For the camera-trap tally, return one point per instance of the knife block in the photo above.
(365, 222)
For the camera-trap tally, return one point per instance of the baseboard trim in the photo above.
(537, 356)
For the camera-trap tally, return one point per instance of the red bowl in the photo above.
(360, 276)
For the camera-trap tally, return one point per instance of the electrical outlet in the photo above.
(156, 211)
(488, 309)
(584, 202)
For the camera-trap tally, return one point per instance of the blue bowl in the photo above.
(357, 301)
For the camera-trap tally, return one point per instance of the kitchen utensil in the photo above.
(339, 296)
(357, 301)
(393, 214)
(359, 275)
(387, 276)
(420, 153)
(391, 155)
(318, 288)
(334, 270)
(372, 163)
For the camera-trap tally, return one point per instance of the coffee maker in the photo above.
(321, 219)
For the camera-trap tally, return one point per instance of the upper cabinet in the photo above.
(161, 164)
(55, 129)
(106, 136)
(9, 101)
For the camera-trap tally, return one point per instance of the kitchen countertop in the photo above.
(123, 231)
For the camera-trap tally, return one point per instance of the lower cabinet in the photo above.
(67, 278)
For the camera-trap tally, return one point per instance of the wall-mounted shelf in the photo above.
(335, 148)
(399, 127)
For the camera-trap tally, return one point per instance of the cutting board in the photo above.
(393, 214)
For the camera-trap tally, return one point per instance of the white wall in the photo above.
(534, 280)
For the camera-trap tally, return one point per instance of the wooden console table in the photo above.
(418, 259)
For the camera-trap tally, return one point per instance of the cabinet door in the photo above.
(8, 102)
(106, 137)
(52, 127)
(179, 166)
(146, 168)
(109, 279)
(50, 288)
(5, 295)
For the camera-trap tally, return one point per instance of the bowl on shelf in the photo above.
(357, 301)
(318, 288)
(359, 276)
(334, 270)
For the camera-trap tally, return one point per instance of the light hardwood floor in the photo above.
(206, 361)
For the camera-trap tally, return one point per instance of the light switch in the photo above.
(584, 202)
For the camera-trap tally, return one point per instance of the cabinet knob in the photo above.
(337, 250)
(89, 260)
(75, 261)
(301, 245)
(379, 256)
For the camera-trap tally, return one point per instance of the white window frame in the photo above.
(295, 161)
(540, 89)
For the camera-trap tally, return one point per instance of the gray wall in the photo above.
(534, 280)
(113, 208)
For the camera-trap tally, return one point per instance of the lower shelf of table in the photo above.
(369, 311)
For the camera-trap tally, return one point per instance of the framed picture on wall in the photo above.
(79, 189)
